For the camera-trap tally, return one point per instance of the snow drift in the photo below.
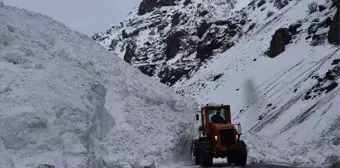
(67, 102)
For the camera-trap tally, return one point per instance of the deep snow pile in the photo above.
(66, 101)
(291, 111)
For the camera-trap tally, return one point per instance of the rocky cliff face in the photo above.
(334, 33)
(170, 39)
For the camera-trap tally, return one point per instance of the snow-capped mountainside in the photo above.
(288, 49)
(282, 81)
(169, 39)
(65, 101)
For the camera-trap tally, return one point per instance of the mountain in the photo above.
(276, 62)
(161, 38)
(65, 101)
(288, 99)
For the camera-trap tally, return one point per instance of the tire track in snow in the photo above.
(274, 115)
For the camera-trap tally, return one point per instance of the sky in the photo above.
(85, 16)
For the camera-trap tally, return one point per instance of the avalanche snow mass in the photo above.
(65, 101)
(276, 62)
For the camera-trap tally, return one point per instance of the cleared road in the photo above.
(221, 163)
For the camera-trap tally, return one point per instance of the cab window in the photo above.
(218, 115)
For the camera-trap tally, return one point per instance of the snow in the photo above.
(291, 130)
(6, 161)
(66, 101)
(241, 4)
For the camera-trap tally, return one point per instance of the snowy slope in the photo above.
(289, 105)
(67, 102)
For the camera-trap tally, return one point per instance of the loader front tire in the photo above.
(205, 153)
(231, 159)
(241, 158)
(206, 160)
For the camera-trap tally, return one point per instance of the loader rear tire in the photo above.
(195, 152)
(205, 153)
(197, 158)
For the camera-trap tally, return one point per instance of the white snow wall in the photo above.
(66, 101)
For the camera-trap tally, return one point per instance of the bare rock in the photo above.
(129, 52)
(280, 38)
(334, 33)
(173, 44)
(148, 5)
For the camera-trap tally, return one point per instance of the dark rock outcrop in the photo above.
(326, 83)
(217, 77)
(175, 19)
(45, 166)
(148, 69)
(173, 44)
(279, 40)
(335, 3)
(335, 62)
(205, 50)
(327, 22)
(334, 29)
(186, 2)
(293, 28)
(129, 52)
(202, 29)
(260, 3)
(318, 39)
(280, 3)
(313, 28)
(169, 75)
(148, 5)
(322, 8)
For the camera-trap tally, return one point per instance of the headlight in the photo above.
(216, 138)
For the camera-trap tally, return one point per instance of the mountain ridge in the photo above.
(179, 38)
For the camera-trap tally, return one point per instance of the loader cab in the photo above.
(213, 114)
(218, 115)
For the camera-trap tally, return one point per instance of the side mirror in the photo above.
(239, 129)
(197, 117)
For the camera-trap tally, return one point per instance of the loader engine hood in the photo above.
(224, 134)
(216, 128)
(223, 126)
